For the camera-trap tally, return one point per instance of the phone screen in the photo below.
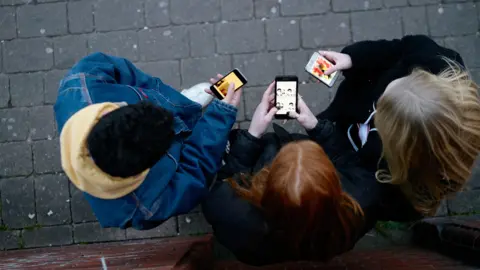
(286, 97)
(222, 85)
(317, 67)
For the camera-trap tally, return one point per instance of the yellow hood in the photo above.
(80, 167)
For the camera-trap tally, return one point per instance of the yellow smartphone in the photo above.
(220, 88)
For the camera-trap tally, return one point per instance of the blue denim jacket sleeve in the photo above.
(200, 160)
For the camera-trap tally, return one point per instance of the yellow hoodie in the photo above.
(80, 167)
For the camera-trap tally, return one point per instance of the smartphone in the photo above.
(220, 88)
(286, 96)
(317, 65)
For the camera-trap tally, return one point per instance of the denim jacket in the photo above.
(178, 181)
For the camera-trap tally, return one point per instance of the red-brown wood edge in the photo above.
(172, 253)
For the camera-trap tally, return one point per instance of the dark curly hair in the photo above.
(131, 139)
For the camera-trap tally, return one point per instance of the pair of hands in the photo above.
(265, 111)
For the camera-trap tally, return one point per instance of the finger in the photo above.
(213, 81)
(328, 54)
(208, 91)
(231, 90)
(293, 115)
(237, 95)
(219, 76)
(331, 70)
(269, 91)
(271, 113)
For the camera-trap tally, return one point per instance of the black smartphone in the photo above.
(220, 88)
(286, 96)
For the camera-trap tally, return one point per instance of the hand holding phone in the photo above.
(286, 96)
(220, 87)
(305, 116)
(233, 93)
(322, 69)
(264, 113)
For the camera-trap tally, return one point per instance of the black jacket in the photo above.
(375, 65)
(242, 228)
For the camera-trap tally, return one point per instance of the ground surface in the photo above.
(183, 42)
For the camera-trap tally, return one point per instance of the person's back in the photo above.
(134, 144)
(292, 209)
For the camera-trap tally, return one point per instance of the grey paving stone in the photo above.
(68, 50)
(385, 24)
(118, 15)
(304, 7)
(167, 71)
(261, 68)
(193, 224)
(18, 202)
(41, 123)
(13, 2)
(4, 91)
(81, 210)
(166, 229)
(241, 108)
(314, 36)
(439, 41)
(163, 43)
(452, 19)
(80, 16)
(16, 159)
(475, 73)
(14, 124)
(52, 199)
(283, 34)
(196, 70)
(236, 10)
(52, 82)
(194, 11)
(465, 202)
(240, 37)
(352, 5)
(295, 62)
(122, 44)
(27, 55)
(468, 47)
(46, 156)
(93, 232)
(9, 240)
(48, 236)
(423, 2)
(26, 89)
(252, 96)
(316, 96)
(415, 20)
(42, 20)
(7, 17)
(202, 40)
(267, 8)
(395, 3)
(244, 125)
(156, 13)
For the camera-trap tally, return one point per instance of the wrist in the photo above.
(254, 133)
(311, 124)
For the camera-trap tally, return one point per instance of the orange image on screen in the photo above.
(321, 65)
(223, 84)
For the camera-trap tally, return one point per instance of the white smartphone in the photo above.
(317, 65)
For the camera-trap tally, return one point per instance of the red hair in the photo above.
(308, 213)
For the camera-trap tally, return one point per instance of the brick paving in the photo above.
(183, 42)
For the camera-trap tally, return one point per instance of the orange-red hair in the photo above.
(308, 213)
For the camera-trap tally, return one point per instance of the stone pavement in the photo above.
(183, 42)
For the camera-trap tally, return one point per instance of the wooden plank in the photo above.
(146, 254)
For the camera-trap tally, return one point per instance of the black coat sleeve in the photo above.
(244, 152)
(322, 132)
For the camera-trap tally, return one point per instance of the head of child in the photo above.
(430, 129)
(302, 198)
(130, 139)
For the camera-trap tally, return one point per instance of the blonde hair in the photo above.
(430, 129)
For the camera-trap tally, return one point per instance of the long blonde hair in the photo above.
(430, 129)
(301, 196)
